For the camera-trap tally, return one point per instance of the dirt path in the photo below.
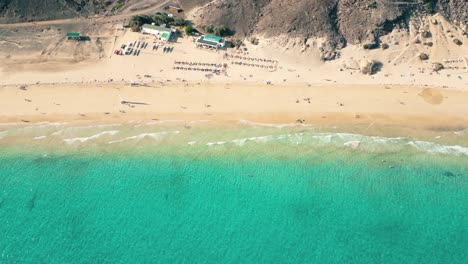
(100, 20)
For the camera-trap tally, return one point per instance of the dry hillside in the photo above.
(338, 21)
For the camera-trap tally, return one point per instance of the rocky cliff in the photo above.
(339, 21)
(12, 11)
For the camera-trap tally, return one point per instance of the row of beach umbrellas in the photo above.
(253, 59)
(198, 64)
(252, 65)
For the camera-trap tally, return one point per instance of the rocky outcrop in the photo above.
(12, 11)
(338, 21)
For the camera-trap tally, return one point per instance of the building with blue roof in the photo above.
(208, 41)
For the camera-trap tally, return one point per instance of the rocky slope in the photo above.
(33, 10)
(353, 21)
(338, 21)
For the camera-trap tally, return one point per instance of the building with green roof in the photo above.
(73, 36)
(163, 33)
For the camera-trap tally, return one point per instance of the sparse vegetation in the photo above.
(136, 22)
(220, 31)
(370, 46)
(118, 7)
(371, 67)
(372, 4)
(237, 43)
(423, 56)
(429, 44)
(430, 6)
(426, 34)
(457, 41)
(166, 19)
(254, 41)
(179, 21)
(438, 66)
(385, 46)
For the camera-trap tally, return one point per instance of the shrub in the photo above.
(370, 46)
(385, 46)
(371, 67)
(438, 66)
(162, 19)
(429, 44)
(220, 31)
(429, 8)
(188, 30)
(457, 41)
(137, 21)
(254, 41)
(423, 56)
(179, 21)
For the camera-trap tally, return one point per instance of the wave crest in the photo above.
(84, 139)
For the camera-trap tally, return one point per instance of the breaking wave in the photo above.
(434, 148)
(157, 135)
(84, 139)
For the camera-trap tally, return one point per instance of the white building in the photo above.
(160, 32)
(211, 42)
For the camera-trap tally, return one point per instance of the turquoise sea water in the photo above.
(169, 194)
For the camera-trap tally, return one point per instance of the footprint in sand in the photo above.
(432, 96)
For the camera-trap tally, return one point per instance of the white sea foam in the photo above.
(43, 125)
(211, 144)
(77, 128)
(434, 148)
(3, 134)
(385, 140)
(461, 132)
(239, 142)
(261, 139)
(95, 126)
(247, 122)
(39, 137)
(157, 135)
(323, 139)
(84, 139)
(58, 132)
(352, 144)
(191, 143)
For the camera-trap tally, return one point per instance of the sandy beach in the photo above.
(44, 77)
(427, 108)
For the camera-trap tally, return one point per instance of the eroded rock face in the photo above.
(338, 21)
(12, 11)
(456, 11)
(342, 21)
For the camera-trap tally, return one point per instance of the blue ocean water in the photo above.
(233, 195)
